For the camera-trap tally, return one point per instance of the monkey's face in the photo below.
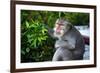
(60, 29)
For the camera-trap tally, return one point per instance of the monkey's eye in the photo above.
(62, 27)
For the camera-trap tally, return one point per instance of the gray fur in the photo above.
(70, 46)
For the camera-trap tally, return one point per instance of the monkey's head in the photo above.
(61, 27)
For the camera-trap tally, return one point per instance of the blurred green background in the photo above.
(36, 43)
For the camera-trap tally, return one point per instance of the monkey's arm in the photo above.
(70, 44)
(50, 31)
(65, 43)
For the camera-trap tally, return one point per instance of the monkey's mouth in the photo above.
(58, 33)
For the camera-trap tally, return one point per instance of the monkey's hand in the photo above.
(70, 45)
(50, 31)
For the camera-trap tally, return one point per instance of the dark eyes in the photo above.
(59, 25)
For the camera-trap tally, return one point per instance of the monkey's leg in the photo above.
(62, 54)
(78, 54)
(57, 55)
(67, 54)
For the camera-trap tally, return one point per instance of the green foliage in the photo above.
(37, 34)
(78, 18)
(36, 44)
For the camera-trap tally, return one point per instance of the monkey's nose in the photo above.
(58, 31)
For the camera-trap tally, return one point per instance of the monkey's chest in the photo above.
(60, 43)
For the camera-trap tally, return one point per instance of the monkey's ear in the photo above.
(69, 24)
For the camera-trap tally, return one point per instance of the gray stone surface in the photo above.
(87, 52)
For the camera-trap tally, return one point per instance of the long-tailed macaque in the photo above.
(70, 44)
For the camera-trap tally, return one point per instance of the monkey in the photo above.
(69, 44)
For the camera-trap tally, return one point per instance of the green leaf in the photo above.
(39, 39)
(23, 52)
(44, 31)
(34, 43)
(27, 49)
(27, 24)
